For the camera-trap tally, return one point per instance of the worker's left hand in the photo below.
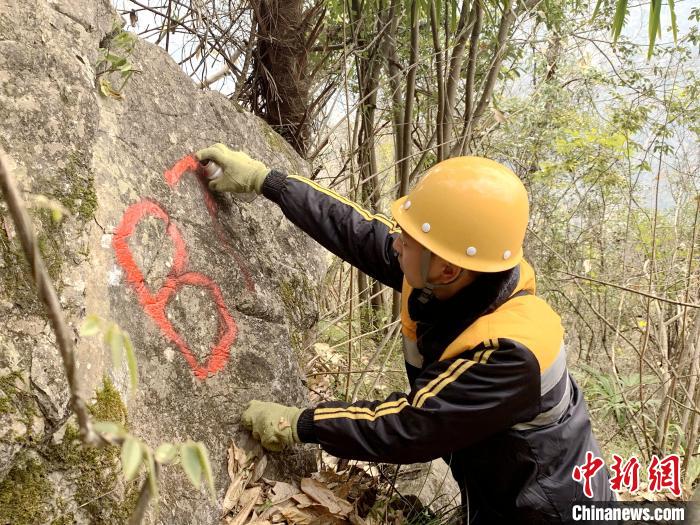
(274, 425)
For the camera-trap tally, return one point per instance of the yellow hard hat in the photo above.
(470, 211)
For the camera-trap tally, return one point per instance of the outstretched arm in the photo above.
(343, 227)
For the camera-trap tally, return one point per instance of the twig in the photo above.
(389, 335)
(344, 372)
(47, 295)
(620, 287)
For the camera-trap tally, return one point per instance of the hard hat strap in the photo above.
(428, 288)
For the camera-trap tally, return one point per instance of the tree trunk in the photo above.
(280, 86)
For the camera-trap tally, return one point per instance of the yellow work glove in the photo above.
(274, 425)
(240, 173)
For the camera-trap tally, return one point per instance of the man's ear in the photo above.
(450, 271)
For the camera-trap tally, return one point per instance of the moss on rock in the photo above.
(282, 147)
(25, 493)
(78, 194)
(16, 283)
(296, 293)
(100, 490)
(18, 402)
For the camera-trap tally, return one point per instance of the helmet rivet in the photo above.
(506, 255)
(406, 205)
(425, 227)
(471, 251)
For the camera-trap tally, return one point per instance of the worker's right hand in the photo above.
(241, 174)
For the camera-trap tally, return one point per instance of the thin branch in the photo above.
(47, 295)
(620, 287)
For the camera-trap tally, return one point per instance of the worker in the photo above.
(489, 387)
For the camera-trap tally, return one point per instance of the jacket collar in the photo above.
(439, 322)
(486, 293)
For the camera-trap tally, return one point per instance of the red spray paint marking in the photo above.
(189, 164)
(155, 305)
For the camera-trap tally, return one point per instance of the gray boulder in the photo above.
(210, 288)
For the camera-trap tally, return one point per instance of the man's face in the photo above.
(410, 252)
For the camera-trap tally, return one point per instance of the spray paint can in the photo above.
(213, 171)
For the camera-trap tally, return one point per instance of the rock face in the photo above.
(208, 287)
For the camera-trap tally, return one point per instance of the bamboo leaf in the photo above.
(91, 326)
(131, 362)
(674, 25)
(206, 468)
(619, 20)
(132, 457)
(654, 24)
(190, 463)
(165, 453)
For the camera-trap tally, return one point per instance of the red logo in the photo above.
(625, 475)
(585, 472)
(665, 474)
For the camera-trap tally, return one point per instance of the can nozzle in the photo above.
(213, 171)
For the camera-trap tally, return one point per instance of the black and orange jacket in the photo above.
(490, 391)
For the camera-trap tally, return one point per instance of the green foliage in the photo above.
(621, 11)
(166, 453)
(114, 58)
(132, 456)
(583, 149)
(119, 343)
(606, 394)
(94, 470)
(134, 452)
(191, 463)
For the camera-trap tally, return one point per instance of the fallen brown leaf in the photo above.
(259, 470)
(242, 516)
(234, 492)
(299, 516)
(252, 447)
(250, 495)
(354, 519)
(283, 491)
(233, 466)
(303, 500)
(345, 507)
(321, 494)
(274, 513)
